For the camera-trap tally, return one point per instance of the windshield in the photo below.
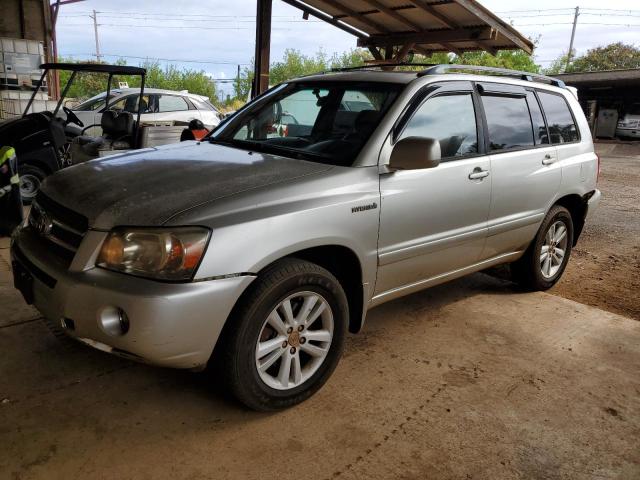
(94, 103)
(325, 122)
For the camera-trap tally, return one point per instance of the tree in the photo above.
(610, 57)
(511, 59)
(171, 77)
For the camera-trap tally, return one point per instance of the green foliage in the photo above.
(558, 66)
(86, 85)
(511, 59)
(610, 57)
(614, 56)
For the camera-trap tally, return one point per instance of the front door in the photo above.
(434, 221)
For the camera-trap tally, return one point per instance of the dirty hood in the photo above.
(150, 186)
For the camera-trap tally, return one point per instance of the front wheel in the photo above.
(543, 263)
(286, 337)
(31, 178)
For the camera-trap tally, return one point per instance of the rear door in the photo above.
(433, 221)
(525, 170)
(174, 108)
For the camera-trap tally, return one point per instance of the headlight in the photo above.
(159, 253)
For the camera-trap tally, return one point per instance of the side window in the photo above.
(562, 127)
(508, 122)
(450, 119)
(171, 103)
(539, 127)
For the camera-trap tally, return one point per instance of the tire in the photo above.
(536, 271)
(31, 177)
(297, 282)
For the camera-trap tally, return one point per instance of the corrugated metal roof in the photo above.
(425, 26)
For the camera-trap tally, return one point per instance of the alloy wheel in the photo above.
(294, 340)
(553, 249)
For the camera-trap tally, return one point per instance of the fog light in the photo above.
(113, 321)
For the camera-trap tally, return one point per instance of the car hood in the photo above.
(150, 186)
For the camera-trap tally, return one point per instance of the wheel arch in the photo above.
(577, 207)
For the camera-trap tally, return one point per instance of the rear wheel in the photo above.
(31, 177)
(546, 258)
(286, 337)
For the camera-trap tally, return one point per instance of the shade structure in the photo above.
(393, 28)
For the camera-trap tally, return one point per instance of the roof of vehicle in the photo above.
(125, 91)
(95, 67)
(372, 73)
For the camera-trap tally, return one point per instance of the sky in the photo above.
(217, 35)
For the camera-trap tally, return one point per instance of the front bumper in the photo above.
(628, 132)
(170, 324)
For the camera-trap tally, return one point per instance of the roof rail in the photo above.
(528, 76)
(381, 65)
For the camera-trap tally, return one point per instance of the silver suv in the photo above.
(258, 248)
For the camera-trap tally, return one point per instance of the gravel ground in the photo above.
(604, 270)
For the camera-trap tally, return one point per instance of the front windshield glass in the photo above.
(95, 103)
(325, 122)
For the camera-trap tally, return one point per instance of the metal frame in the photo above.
(528, 76)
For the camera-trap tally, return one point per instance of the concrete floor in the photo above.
(467, 380)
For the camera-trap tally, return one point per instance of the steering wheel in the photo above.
(72, 117)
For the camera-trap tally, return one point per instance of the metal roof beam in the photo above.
(505, 29)
(448, 36)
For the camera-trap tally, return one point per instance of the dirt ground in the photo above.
(468, 380)
(473, 379)
(604, 270)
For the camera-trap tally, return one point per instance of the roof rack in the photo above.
(380, 65)
(528, 76)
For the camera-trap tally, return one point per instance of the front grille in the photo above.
(60, 229)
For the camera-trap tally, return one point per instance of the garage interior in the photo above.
(471, 379)
(605, 97)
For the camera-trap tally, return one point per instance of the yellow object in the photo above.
(6, 153)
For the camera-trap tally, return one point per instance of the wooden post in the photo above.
(263, 47)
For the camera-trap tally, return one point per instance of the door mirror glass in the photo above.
(412, 153)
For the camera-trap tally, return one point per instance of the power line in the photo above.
(149, 57)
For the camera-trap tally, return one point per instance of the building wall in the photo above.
(28, 19)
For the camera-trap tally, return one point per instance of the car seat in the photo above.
(117, 134)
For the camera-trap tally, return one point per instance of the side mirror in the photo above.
(412, 153)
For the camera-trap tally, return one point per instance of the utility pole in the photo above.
(238, 81)
(95, 31)
(573, 36)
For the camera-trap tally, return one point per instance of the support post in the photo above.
(263, 47)
(95, 31)
(573, 36)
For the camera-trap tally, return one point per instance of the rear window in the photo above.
(508, 121)
(562, 127)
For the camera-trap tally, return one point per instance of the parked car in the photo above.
(629, 124)
(159, 106)
(258, 253)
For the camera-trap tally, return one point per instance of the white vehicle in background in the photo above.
(629, 124)
(159, 106)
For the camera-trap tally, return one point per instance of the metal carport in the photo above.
(391, 29)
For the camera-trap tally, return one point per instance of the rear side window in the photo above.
(539, 128)
(562, 127)
(171, 103)
(508, 121)
(450, 119)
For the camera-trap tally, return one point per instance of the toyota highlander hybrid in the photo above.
(257, 249)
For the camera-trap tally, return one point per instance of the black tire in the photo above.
(31, 177)
(527, 271)
(237, 355)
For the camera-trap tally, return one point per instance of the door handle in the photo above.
(478, 174)
(548, 159)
